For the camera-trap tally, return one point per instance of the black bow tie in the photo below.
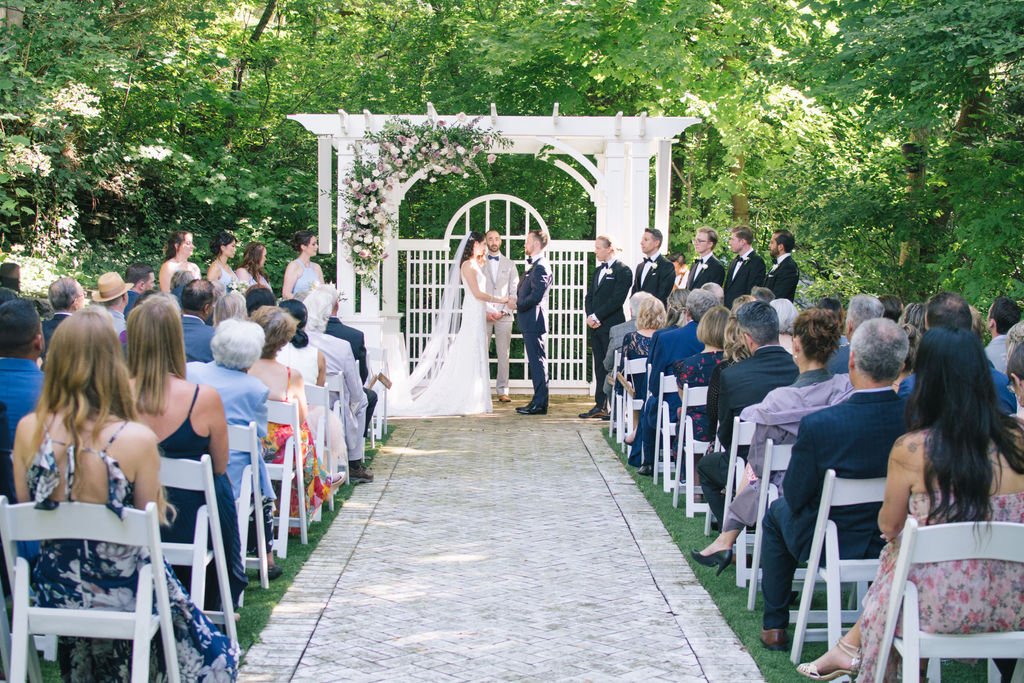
(529, 259)
(648, 259)
(602, 265)
(493, 258)
(698, 260)
(743, 259)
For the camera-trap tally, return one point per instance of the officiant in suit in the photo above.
(747, 269)
(784, 276)
(603, 304)
(655, 274)
(531, 305)
(705, 268)
(502, 281)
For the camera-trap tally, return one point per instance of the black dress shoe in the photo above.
(274, 572)
(721, 559)
(595, 412)
(645, 471)
(532, 410)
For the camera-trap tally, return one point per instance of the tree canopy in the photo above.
(888, 136)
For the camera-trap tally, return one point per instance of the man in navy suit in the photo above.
(66, 296)
(706, 268)
(854, 439)
(655, 274)
(531, 305)
(603, 303)
(769, 367)
(667, 348)
(746, 270)
(196, 306)
(784, 276)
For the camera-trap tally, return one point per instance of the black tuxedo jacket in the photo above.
(532, 299)
(783, 278)
(659, 280)
(605, 300)
(750, 275)
(748, 382)
(854, 439)
(355, 338)
(713, 272)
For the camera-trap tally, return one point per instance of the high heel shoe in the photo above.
(721, 559)
(810, 669)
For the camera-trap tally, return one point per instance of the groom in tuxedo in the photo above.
(531, 305)
(606, 294)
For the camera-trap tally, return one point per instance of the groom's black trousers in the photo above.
(537, 355)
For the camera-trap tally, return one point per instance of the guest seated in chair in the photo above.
(189, 420)
(85, 420)
(696, 370)
(962, 461)
(853, 438)
(778, 418)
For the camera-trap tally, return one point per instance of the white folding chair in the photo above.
(335, 455)
(687, 448)
(290, 470)
(193, 475)
(617, 400)
(636, 369)
(379, 363)
(87, 521)
(835, 492)
(947, 543)
(776, 459)
(665, 430)
(250, 498)
(742, 435)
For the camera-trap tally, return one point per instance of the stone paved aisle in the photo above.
(498, 548)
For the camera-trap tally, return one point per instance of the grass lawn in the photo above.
(732, 601)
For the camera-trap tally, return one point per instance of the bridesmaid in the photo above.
(301, 275)
(252, 272)
(223, 248)
(177, 251)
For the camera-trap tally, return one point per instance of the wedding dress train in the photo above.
(462, 384)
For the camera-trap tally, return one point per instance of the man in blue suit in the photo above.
(21, 382)
(947, 309)
(667, 348)
(531, 305)
(196, 306)
(854, 439)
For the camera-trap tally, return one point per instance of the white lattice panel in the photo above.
(424, 265)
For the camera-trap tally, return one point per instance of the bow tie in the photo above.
(529, 259)
(602, 265)
(698, 260)
(648, 259)
(493, 258)
(743, 259)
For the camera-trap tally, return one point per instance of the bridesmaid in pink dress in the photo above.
(961, 461)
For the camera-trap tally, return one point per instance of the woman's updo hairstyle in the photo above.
(223, 239)
(297, 310)
(818, 332)
(301, 239)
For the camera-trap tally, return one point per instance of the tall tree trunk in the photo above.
(740, 204)
(261, 26)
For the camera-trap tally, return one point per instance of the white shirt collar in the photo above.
(746, 254)
(537, 257)
(877, 390)
(781, 258)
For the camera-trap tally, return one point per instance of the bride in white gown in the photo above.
(453, 375)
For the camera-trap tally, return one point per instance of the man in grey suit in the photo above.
(502, 280)
(1002, 315)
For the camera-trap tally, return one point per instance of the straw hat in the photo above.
(111, 286)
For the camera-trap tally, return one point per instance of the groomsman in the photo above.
(782, 279)
(747, 269)
(655, 274)
(502, 281)
(605, 297)
(706, 268)
(531, 304)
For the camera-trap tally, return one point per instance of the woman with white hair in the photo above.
(236, 346)
(787, 316)
(321, 304)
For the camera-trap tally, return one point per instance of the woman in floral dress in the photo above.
(82, 444)
(696, 370)
(961, 461)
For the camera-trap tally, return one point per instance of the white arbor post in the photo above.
(639, 191)
(346, 273)
(613, 190)
(663, 186)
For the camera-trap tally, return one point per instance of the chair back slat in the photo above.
(336, 382)
(283, 412)
(857, 491)
(694, 397)
(636, 366)
(318, 396)
(742, 432)
(75, 521)
(969, 540)
(668, 383)
(183, 474)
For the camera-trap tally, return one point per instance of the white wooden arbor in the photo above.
(609, 156)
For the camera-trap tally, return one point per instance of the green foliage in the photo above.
(133, 119)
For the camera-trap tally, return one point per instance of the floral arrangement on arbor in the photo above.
(403, 149)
